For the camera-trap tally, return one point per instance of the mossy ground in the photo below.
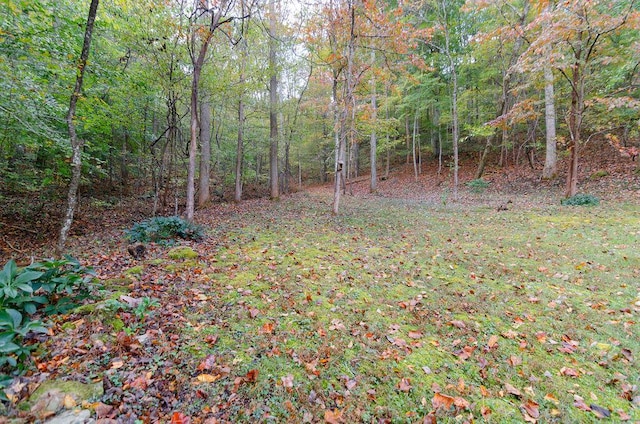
(370, 313)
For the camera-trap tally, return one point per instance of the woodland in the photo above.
(327, 211)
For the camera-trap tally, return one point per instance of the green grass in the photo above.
(389, 291)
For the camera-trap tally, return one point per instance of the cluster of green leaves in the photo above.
(581, 200)
(478, 185)
(51, 286)
(163, 228)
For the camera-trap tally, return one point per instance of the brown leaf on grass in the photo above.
(599, 411)
(551, 398)
(430, 418)
(458, 324)
(442, 401)
(493, 341)
(211, 339)
(512, 390)
(404, 385)
(578, 402)
(208, 363)
(514, 361)
(253, 312)
(485, 411)
(531, 408)
(415, 335)
(465, 352)
(350, 384)
(333, 417)
(461, 403)
(569, 372)
(541, 336)
(252, 376)
(208, 378)
(484, 392)
(627, 354)
(267, 328)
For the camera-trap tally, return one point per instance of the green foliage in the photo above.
(581, 200)
(164, 228)
(478, 186)
(53, 284)
(13, 329)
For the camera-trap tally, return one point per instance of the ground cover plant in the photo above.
(394, 311)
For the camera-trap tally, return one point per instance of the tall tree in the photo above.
(76, 143)
(214, 14)
(573, 34)
(204, 193)
(273, 103)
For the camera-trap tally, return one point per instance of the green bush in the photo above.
(164, 228)
(52, 286)
(580, 200)
(477, 186)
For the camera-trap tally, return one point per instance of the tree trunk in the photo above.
(483, 158)
(413, 146)
(273, 104)
(550, 161)
(195, 82)
(239, 151)
(204, 194)
(76, 144)
(454, 99)
(575, 122)
(373, 147)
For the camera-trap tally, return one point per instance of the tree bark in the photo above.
(550, 161)
(76, 144)
(374, 139)
(273, 104)
(413, 146)
(575, 122)
(198, 62)
(204, 194)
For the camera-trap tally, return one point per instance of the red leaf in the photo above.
(252, 376)
(180, 418)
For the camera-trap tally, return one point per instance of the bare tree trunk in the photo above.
(550, 161)
(413, 146)
(273, 104)
(204, 194)
(239, 151)
(373, 147)
(575, 122)
(198, 62)
(76, 144)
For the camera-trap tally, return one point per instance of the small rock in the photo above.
(81, 416)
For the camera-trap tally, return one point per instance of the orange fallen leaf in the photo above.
(252, 376)
(208, 378)
(493, 341)
(180, 418)
(333, 417)
(442, 401)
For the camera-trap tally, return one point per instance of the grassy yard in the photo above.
(391, 312)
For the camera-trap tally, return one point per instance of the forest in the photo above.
(319, 210)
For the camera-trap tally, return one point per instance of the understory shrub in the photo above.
(51, 286)
(581, 200)
(164, 228)
(478, 185)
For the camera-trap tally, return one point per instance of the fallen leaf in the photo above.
(430, 419)
(415, 335)
(493, 341)
(404, 385)
(578, 402)
(485, 411)
(512, 390)
(569, 372)
(287, 381)
(253, 312)
(442, 401)
(180, 418)
(514, 361)
(350, 384)
(208, 378)
(551, 398)
(333, 417)
(458, 324)
(627, 354)
(252, 376)
(267, 328)
(69, 402)
(531, 408)
(461, 403)
(208, 363)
